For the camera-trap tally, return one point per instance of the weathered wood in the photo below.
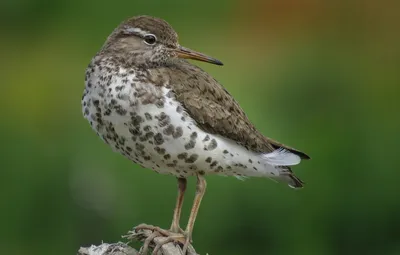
(121, 248)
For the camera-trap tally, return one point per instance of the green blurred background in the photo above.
(322, 76)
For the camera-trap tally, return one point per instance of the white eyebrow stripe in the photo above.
(135, 30)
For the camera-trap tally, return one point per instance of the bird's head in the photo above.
(150, 41)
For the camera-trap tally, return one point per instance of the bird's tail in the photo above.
(282, 159)
(286, 175)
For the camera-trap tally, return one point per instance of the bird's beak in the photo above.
(191, 54)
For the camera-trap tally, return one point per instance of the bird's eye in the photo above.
(150, 39)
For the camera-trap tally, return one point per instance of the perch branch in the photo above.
(133, 235)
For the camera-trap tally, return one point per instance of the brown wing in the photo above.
(214, 109)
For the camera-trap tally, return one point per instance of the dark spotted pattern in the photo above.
(190, 144)
(145, 136)
(169, 130)
(212, 145)
(158, 139)
(163, 119)
(192, 158)
(159, 150)
(182, 155)
(148, 116)
(178, 132)
(214, 163)
(160, 103)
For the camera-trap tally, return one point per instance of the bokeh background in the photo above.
(322, 76)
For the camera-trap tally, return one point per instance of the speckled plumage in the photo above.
(166, 114)
(147, 124)
(162, 112)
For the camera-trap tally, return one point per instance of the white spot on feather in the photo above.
(281, 157)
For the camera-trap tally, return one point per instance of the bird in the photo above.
(149, 103)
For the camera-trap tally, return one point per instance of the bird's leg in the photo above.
(178, 207)
(174, 234)
(200, 190)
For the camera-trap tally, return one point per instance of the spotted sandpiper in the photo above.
(146, 101)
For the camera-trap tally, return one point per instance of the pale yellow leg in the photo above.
(200, 190)
(187, 234)
(178, 207)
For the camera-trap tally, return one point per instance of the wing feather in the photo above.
(214, 109)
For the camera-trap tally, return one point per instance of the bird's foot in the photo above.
(171, 237)
(176, 229)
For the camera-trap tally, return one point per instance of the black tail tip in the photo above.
(295, 182)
